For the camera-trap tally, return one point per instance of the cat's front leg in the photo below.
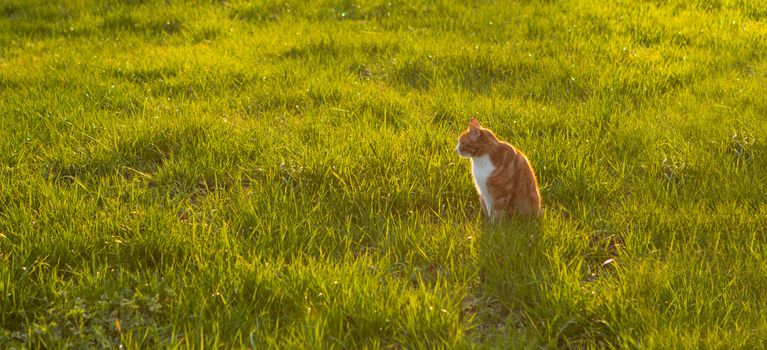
(483, 207)
(487, 208)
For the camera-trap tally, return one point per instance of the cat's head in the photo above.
(475, 141)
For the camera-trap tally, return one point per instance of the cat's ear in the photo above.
(474, 122)
(474, 133)
(474, 129)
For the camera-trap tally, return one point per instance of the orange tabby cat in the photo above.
(502, 174)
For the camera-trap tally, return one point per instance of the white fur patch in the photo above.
(481, 168)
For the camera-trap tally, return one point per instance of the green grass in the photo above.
(281, 174)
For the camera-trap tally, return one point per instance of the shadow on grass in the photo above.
(510, 258)
(531, 287)
(509, 262)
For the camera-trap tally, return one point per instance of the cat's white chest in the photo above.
(481, 168)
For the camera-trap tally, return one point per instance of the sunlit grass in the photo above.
(282, 174)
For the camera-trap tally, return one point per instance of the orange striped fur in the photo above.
(503, 176)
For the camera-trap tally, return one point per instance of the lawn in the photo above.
(282, 174)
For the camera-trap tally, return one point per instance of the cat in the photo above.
(503, 176)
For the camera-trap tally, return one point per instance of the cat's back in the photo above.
(516, 177)
(522, 167)
(528, 196)
(505, 155)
